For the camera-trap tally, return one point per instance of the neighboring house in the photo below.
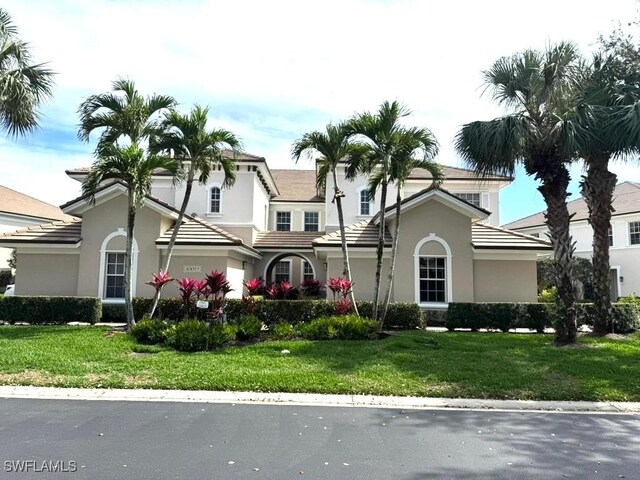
(18, 210)
(624, 236)
(274, 224)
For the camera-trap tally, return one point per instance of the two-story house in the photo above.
(275, 224)
(624, 236)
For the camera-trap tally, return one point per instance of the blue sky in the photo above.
(271, 71)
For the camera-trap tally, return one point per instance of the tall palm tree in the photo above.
(199, 151)
(124, 112)
(23, 84)
(130, 165)
(334, 147)
(607, 119)
(419, 148)
(383, 133)
(537, 87)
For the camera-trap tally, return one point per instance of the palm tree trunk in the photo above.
(128, 265)
(380, 247)
(597, 188)
(174, 235)
(345, 253)
(554, 192)
(394, 254)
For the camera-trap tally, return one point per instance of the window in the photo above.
(536, 234)
(115, 276)
(473, 198)
(283, 221)
(214, 200)
(311, 221)
(634, 233)
(307, 271)
(433, 281)
(610, 237)
(364, 202)
(282, 271)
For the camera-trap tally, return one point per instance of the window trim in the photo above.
(359, 191)
(468, 192)
(432, 237)
(210, 187)
(446, 275)
(276, 220)
(304, 221)
(103, 266)
(106, 274)
(302, 274)
(612, 237)
(631, 244)
(284, 260)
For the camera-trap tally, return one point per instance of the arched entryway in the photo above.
(294, 268)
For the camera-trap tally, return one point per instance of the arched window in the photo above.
(365, 202)
(433, 282)
(215, 199)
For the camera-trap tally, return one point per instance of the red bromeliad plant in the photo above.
(342, 306)
(255, 286)
(187, 288)
(285, 288)
(341, 287)
(160, 279)
(219, 288)
(272, 291)
(202, 290)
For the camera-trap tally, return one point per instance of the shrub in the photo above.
(248, 327)
(435, 318)
(220, 335)
(189, 336)
(282, 331)
(311, 287)
(347, 327)
(548, 295)
(50, 310)
(168, 308)
(630, 299)
(149, 331)
(114, 313)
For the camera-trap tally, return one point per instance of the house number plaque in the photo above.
(193, 269)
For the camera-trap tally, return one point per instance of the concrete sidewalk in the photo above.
(370, 401)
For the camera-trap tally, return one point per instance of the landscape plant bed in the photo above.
(505, 366)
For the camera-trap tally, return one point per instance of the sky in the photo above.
(272, 71)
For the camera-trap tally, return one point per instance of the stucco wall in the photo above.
(52, 274)
(452, 227)
(205, 264)
(363, 274)
(505, 281)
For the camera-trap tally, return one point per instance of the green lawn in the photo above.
(414, 363)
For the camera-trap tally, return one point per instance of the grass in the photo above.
(503, 366)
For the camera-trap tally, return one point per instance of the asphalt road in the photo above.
(98, 440)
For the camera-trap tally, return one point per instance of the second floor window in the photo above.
(364, 203)
(472, 198)
(214, 200)
(283, 221)
(311, 221)
(610, 237)
(634, 233)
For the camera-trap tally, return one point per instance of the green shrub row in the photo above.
(345, 327)
(534, 316)
(50, 310)
(399, 315)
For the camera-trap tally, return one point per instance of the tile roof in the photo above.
(198, 232)
(296, 185)
(485, 236)
(61, 232)
(17, 203)
(361, 234)
(284, 240)
(626, 199)
(455, 173)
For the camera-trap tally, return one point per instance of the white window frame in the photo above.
(290, 220)
(612, 238)
(483, 197)
(359, 199)
(304, 221)
(442, 280)
(304, 262)
(629, 224)
(209, 189)
(107, 274)
(275, 273)
(432, 237)
(103, 266)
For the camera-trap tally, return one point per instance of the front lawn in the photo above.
(504, 366)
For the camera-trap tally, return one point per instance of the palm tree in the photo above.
(334, 147)
(537, 87)
(23, 85)
(200, 151)
(414, 141)
(134, 168)
(383, 133)
(608, 124)
(122, 113)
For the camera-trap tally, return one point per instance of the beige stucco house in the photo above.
(274, 224)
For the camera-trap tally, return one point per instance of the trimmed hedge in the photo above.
(38, 310)
(535, 316)
(270, 312)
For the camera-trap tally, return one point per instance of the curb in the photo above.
(304, 399)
